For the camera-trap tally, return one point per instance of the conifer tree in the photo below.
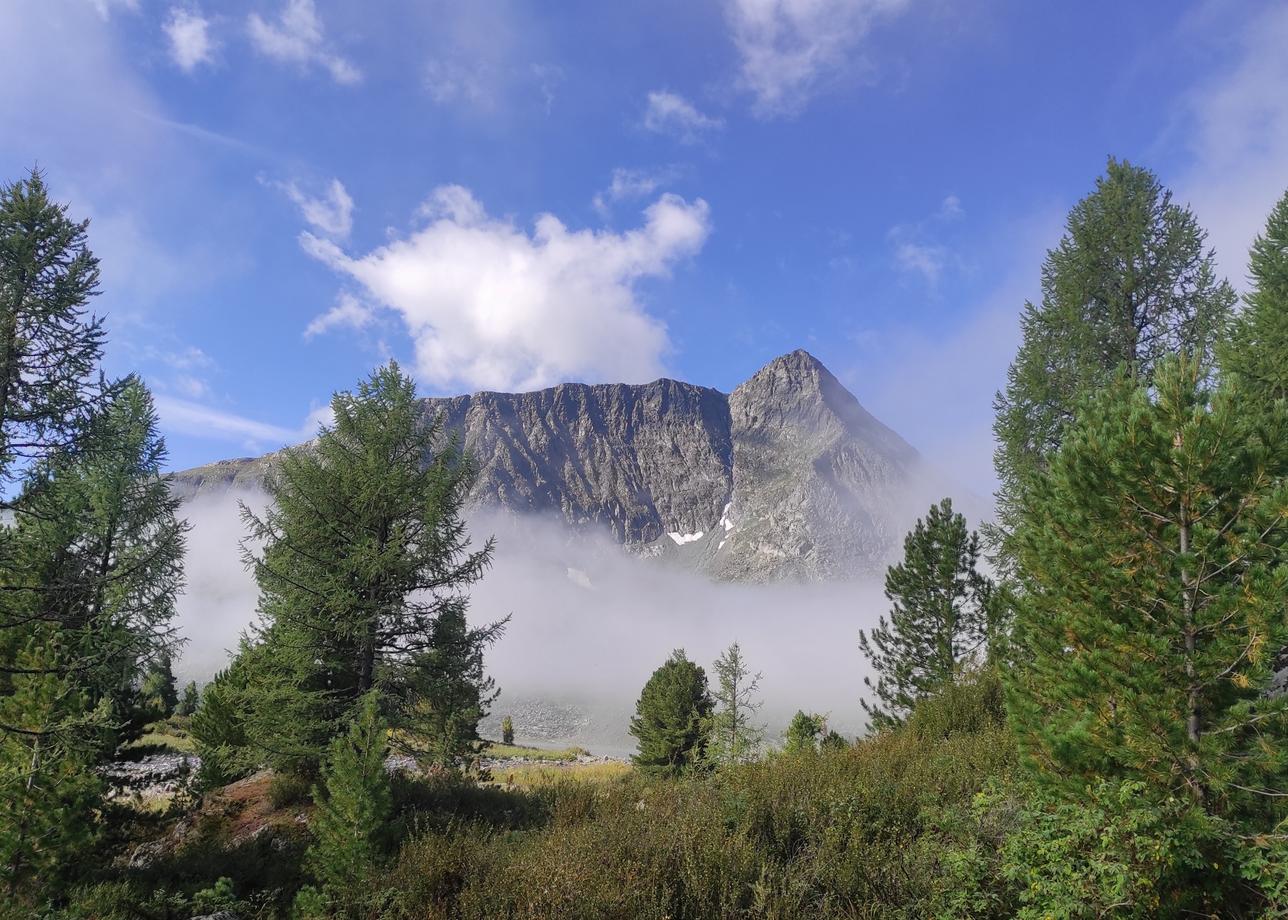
(50, 347)
(939, 613)
(353, 810)
(1153, 597)
(507, 730)
(189, 701)
(1130, 283)
(365, 559)
(671, 717)
(1257, 353)
(733, 737)
(159, 690)
(804, 732)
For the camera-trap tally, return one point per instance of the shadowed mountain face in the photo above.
(787, 477)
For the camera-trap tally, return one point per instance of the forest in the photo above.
(1078, 709)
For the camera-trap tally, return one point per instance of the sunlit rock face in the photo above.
(788, 477)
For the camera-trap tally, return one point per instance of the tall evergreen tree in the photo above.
(734, 738)
(1154, 597)
(50, 346)
(1257, 353)
(940, 604)
(159, 690)
(189, 701)
(671, 717)
(353, 811)
(1130, 283)
(365, 559)
(98, 552)
(804, 733)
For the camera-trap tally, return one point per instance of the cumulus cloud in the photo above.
(631, 185)
(1237, 121)
(191, 43)
(348, 312)
(330, 213)
(490, 305)
(790, 50)
(297, 37)
(670, 113)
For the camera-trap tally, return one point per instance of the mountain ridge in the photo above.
(787, 476)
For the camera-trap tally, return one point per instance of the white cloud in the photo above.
(490, 305)
(631, 185)
(790, 50)
(924, 259)
(191, 43)
(297, 38)
(915, 247)
(1238, 125)
(347, 312)
(449, 82)
(330, 213)
(199, 420)
(670, 113)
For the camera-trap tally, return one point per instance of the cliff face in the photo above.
(787, 477)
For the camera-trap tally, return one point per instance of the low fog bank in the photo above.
(590, 622)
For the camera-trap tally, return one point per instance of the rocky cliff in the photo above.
(787, 477)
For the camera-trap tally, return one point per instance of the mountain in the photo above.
(787, 477)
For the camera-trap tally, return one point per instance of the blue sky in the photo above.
(505, 194)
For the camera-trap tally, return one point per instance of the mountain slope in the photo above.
(787, 477)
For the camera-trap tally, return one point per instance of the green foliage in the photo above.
(189, 701)
(286, 789)
(48, 789)
(1129, 284)
(1257, 353)
(1153, 597)
(804, 732)
(507, 730)
(938, 618)
(219, 730)
(353, 809)
(671, 717)
(733, 738)
(361, 577)
(158, 689)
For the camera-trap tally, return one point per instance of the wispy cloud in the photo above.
(670, 113)
(191, 43)
(330, 213)
(348, 312)
(297, 37)
(790, 50)
(916, 248)
(490, 305)
(632, 185)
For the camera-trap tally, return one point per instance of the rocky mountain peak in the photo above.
(787, 477)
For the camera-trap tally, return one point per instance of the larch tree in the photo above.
(1131, 282)
(1154, 596)
(939, 616)
(1257, 353)
(364, 562)
(734, 737)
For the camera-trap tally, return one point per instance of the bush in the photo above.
(286, 789)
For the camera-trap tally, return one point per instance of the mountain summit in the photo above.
(786, 477)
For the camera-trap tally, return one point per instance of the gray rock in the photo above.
(787, 477)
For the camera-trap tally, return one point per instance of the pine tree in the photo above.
(1129, 284)
(733, 738)
(671, 717)
(50, 347)
(353, 809)
(218, 725)
(804, 732)
(1257, 353)
(364, 563)
(159, 691)
(1152, 602)
(48, 787)
(507, 730)
(190, 700)
(940, 605)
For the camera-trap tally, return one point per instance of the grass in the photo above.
(514, 751)
(166, 736)
(534, 776)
